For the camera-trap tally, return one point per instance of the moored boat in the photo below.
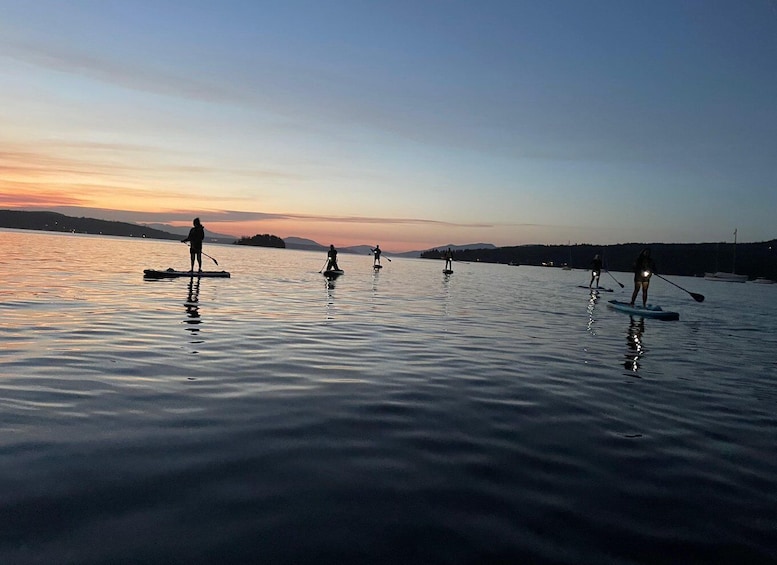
(725, 277)
(728, 277)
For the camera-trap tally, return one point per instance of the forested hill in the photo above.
(692, 259)
(53, 221)
(262, 240)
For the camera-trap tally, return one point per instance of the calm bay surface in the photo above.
(499, 414)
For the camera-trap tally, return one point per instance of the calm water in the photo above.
(500, 414)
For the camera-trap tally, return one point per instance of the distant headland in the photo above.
(691, 259)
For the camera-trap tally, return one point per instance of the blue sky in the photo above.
(410, 124)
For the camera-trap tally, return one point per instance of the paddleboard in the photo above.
(447, 271)
(593, 288)
(649, 312)
(333, 273)
(172, 273)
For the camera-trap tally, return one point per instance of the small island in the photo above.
(263, 240)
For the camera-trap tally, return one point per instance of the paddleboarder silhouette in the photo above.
(331, 257)
(376, 255)
(644, 267)
(596, 270)
(195, 238)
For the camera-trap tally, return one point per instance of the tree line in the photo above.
(263, 240)
(687, 259)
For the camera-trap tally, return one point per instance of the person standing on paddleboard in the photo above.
(195, 238)
(644, 267)
(596, 270)
(376, 253)
(331, 257)
(448, 260)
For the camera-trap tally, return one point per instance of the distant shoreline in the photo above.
(686, 259)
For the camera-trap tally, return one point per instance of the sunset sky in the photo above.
(407, 123)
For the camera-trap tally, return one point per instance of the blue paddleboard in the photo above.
(646, 312)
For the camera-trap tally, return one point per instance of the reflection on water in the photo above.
(592, 300)
(375, 279)
(446, 295)
(635, 344)
(192, 305)
(329, 284)
(487, 438)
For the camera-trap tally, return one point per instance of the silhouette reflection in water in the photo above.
(446, 296)
(192, 305)
(330, 297)
(592, 300)
(635, 344)
(375, 280)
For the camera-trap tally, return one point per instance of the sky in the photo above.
(405, 123)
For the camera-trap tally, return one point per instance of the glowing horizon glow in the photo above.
(507, 124)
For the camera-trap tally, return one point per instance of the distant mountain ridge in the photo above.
(310, 245)
(56, 222)
(302, 243)
(210, 236)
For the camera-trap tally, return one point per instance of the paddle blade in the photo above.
(697, 297)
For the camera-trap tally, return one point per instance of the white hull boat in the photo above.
(725, 277)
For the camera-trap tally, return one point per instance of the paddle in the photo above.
(613, 278)
(695, 296)
(206, 255)
(322, 268)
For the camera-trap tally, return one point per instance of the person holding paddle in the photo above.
(195, 239)
(331, 258)
(596, 270)
(376, 256)
(644, 267)
(448, 256)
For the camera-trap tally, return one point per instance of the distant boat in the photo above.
(725, 277)
(728, 277)
(762, 280)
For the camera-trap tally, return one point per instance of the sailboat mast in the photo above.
(734, 266)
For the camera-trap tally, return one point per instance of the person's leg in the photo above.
(645, 293)
(636, 291)
(191, 256)
(199, 260)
